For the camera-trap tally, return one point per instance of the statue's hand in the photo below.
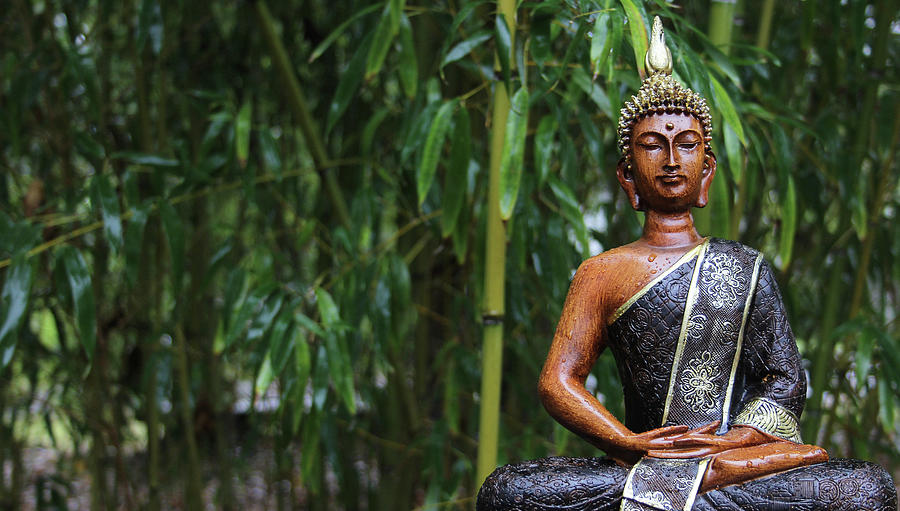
(632, 447)
(702, 442)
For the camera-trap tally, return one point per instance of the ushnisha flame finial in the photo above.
(658, 58)
(661, 93)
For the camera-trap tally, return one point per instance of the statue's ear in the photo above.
(709, 171)
(626, 180)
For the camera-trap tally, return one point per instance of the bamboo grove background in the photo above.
(252, 252)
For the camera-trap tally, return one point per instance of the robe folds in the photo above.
(706, 340)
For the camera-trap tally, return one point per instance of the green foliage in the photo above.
(161, 177)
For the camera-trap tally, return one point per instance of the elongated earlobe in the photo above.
(626, 181)
(709, 171)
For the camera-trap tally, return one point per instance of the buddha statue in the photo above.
(711, 375)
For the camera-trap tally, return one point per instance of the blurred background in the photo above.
(249, 259)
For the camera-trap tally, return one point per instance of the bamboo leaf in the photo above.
(134, 238)
(82, 292)
(462, 231)
(328, 310)
(340, 370)
(242, 133)
(368, 134)
(17, 238)
(409, 66)
(726, 108)
(281, 342)
(464, 12)
(175, 238)
(418, 131)
(733, 152)
(601, 43)
(384, 35)
(301, 357)
(788, 223)
(593, 91)
(106, 200)
(243, 316)
(349, 82)
(89, 147)
(265, 314)
(302, 367)
(865, 344)
(571, 211)
(336, 349)
(544, 147)
(465, 47)
(638, 31)
(456, 179)
(724, 64)
(513, 152)
(235, 285)
(615, 48)
(310, 463)
(270, 154)
(432, 151)
(887, 409)
(309, 324)
(13, 303)
(504, 47)
(264, 375)
(151, 160)
(332, 37)
(719, 207)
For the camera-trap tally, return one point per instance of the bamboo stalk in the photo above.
(193, 497)
(864, 138)
(764, 35)
(297, 103)
(493, 306)
(883, 190)
(721, 22)
(823, 355)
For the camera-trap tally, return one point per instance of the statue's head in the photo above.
(664, 134)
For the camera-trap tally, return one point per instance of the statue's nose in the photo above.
(671, 165)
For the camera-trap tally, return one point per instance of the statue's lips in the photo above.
(671, 179)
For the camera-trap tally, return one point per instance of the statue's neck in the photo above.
(670, 229)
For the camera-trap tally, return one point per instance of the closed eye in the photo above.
(651, 147)
(687, 146)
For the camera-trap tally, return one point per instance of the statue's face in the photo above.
(670, 169)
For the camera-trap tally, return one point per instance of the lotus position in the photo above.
(712, 378)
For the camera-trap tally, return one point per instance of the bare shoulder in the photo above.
(603, 276)
(616, 275)
(606, 265)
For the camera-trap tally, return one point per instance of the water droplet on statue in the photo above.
(653, 270)
(749, 464)
(651, 258)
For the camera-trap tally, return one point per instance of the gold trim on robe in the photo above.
(770, 417)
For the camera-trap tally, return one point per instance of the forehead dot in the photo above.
(670, 126)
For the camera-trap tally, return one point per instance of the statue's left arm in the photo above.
(774, 381)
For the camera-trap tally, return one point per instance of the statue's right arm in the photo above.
(579, 340)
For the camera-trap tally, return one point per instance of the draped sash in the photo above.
(701, 379)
